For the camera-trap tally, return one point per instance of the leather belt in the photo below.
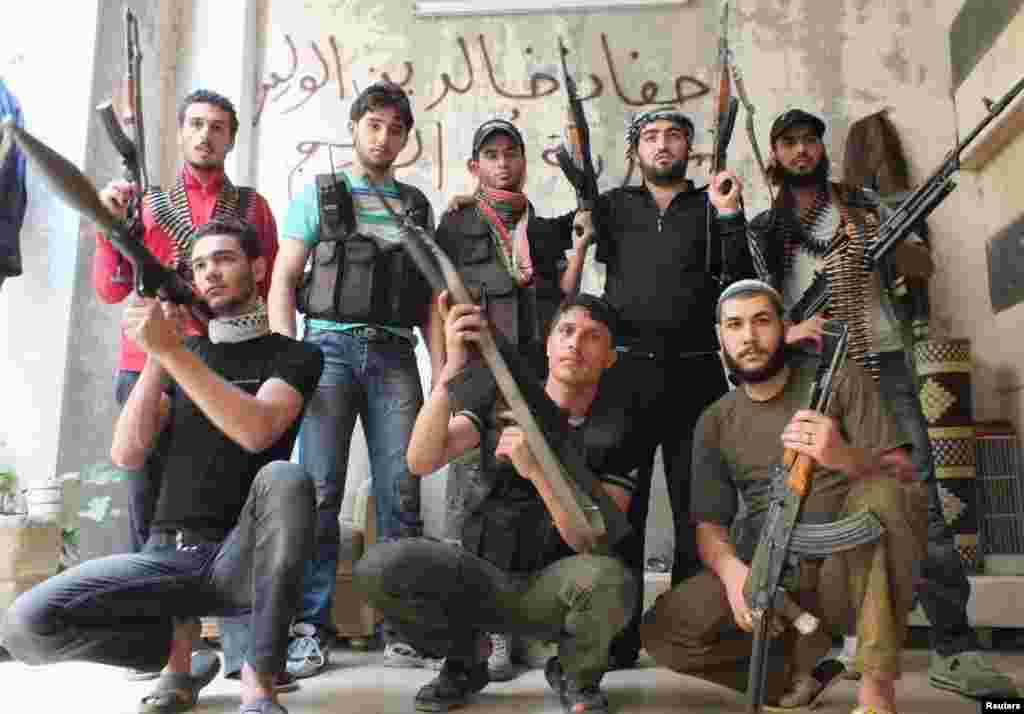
(188, 538)
(375, 334)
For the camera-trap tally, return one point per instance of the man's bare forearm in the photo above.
(718, 554)
(242, 417)
(573, 275)
(429, 440)
(281, 307)
(141, 419)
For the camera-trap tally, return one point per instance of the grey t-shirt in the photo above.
(737, 443)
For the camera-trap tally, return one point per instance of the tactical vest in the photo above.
(509, 525)
(511, 308)
(354, 277)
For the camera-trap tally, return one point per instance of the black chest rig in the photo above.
(510, 307)
(354, 277)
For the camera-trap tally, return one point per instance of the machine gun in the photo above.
(783, 540)
(132, 151)
(916, 208)
(152, 279)
(591, 512)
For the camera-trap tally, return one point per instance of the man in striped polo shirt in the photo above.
(361, 300)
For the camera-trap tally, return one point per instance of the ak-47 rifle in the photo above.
(917, 207)
(573, 154)
(592, 514)
(726, 107)
(152, 279)
(132, 151)
(783, 540)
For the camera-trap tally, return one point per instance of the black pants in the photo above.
(665, 398)
(119, 610)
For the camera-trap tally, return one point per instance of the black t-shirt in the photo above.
(512, 527)
(657, 276)
(206, 476)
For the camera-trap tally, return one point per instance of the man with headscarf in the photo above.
(668, 247)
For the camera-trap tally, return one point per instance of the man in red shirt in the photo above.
(207, 127)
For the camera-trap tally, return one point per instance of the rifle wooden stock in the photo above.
(801, 468)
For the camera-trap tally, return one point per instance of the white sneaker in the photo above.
(308, 652)
(499, 663)
(400, 654)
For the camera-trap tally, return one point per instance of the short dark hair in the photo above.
(205, 96)
(379, 95)
(244, 232)
(599, 309)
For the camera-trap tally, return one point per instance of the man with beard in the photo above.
(207, 128)
(361, 300)
(233, 524)
(663, 276)
(522, 569)
(789, 244)
(861, 463)
(500, 245)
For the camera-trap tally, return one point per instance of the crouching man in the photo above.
(518, 571)
(862, 463)
(234, 521)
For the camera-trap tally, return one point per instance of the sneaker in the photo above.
(969, 674)
(499, 664)
(576, 698)
(400, 654)
(309, 650)
(451, 688)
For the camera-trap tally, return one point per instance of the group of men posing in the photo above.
(224, 524)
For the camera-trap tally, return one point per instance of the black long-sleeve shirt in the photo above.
(657, 267)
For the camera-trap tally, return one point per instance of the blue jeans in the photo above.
(378, 381)
(144, 488)
(119, 610)
(945, 590)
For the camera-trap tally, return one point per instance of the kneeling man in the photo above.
(862, 463)
(234, 522)
(518, 571)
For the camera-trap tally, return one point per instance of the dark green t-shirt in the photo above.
(737, 442)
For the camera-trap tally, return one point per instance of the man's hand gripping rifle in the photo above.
(152, 278)
(545, 427)
(784, 541)
(914, 209)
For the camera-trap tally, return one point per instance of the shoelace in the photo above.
(499, 648)
(306, 648)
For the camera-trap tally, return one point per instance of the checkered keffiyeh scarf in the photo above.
(242, 327)
(505, 212)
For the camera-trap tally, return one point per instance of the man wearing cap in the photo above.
(861, 463)
(667, 246)
(503, 248)
(817, 225)
(361, 301)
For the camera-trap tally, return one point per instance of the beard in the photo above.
(367, 161)
(769, 369)
(817, 177)
(232, 307)
(672, 174)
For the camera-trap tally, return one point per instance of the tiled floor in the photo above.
(356, 683)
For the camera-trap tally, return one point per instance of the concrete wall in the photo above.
(987, 200)
(49, 67)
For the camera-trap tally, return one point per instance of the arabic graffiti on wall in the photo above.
(288, 92)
